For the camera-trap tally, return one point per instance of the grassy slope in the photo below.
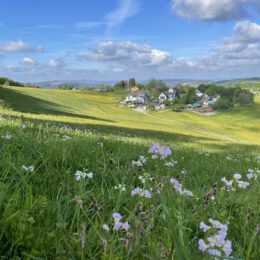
(103, 109)
(39, 216)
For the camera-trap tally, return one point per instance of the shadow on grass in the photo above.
(27, 104)
(175, 139)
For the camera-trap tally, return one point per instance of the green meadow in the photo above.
(46, 213)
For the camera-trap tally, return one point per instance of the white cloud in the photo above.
(124, 10)
(127, 53)
(28, 61)
(247, 31)
(88, 25)
(213, 9)
(19, 46)
(52, 63)
(245, 44)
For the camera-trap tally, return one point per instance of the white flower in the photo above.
(105, 227)
(65, 138)
(82, 175)
(28, 169)
(8, 137)
(90, 175)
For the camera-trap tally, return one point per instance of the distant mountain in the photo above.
(75, 83)
(171, 82)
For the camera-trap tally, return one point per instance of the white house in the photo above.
(138, 97)
(209, 99)
(162, 98)
(198, 93)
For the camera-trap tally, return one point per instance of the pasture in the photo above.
(70, 160)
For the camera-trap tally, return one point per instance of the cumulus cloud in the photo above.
(19, 46)
(127, 53)
(245, 43)
(28, 61)
(247, 31)
(213, 10)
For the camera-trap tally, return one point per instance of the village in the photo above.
(142, 99)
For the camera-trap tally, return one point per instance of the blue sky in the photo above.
(109, 40)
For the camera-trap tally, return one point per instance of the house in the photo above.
(159, 106)
(138, 97)
(170, 95)
(134, 89)
(198, 93)
(209, 99)
(162, 98)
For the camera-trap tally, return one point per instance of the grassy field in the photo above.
(246, 84)
(48, 213)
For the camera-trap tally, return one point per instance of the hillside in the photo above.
(251, 83)
(85, 178)
(86, 107)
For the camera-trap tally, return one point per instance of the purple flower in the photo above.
(237, 176)
(154, 148)
(227, 248)
(242, 184)
(148, 194)
(117, 216)
(126, 226)
(204, 227)
(214, 252)
(202, 245)
(163, 151)
(136, 191)
(117, 225)
(250, 176)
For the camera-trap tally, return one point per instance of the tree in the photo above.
(121, 85)
(244, 98)
(132, 82)
(222, 104)
(189, 97)
(202, 88)
(65, 87)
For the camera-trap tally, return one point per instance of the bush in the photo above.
(222, 104)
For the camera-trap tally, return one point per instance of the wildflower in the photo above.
(120, 187)
(163, 151)
(170, 164)
(204, 227)
(28, 169)
(250, 176)
(216, 243)
(105, 227)
(118, 224)
(227, 248)
(90, 175)
(117, 216)
(141, 193)
(7, 137)
(231, 185)
(242, 184)
(65, 138)
(237, 176)
(23, 126)
(202, 245)
(140, 162)
(82, 175)
(178, 187)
